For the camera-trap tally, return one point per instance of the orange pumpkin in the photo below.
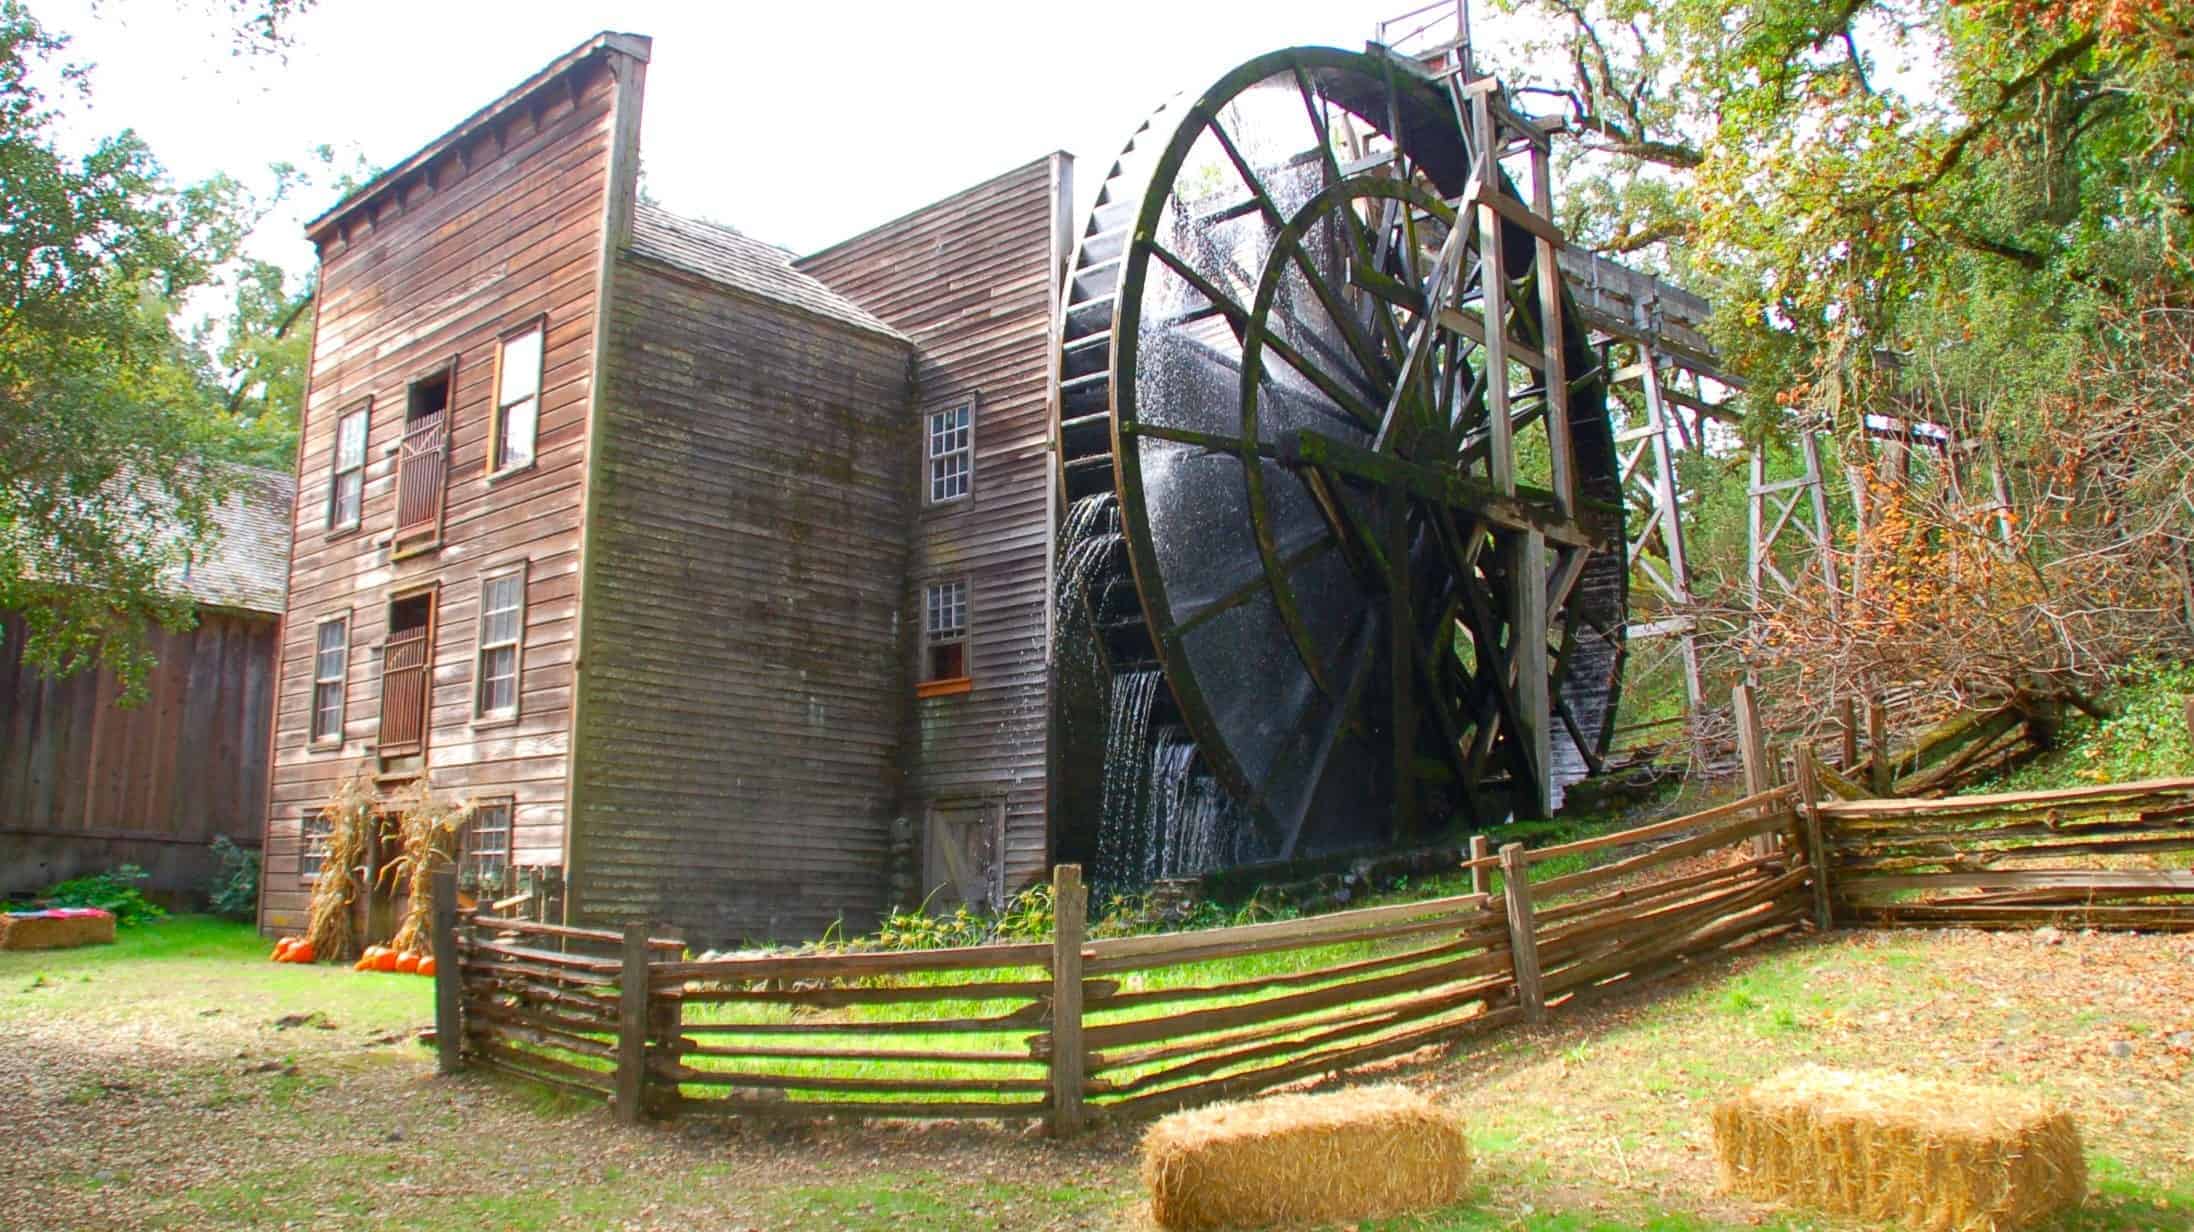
(301, 952)
(371, 959)
(385, 961)
(282, 949)
(407, 963)
(426, 965)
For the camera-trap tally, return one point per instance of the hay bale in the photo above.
(57, 929)
(1886, 1149)
(1366, 1153)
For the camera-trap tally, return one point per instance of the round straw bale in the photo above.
(1890, 1149)
(1363, 1153)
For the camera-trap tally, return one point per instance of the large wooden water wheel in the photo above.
(1377, 553)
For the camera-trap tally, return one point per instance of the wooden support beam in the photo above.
(1481, 849)
(1528, 656)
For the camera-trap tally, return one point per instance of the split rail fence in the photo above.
(1079, 1030)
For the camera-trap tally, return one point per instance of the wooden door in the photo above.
(962, 861)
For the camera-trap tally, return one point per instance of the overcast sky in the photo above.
(801, 124)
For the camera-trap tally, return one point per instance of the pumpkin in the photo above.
(371, 959)
(426, 965)
(282, 949)
(385, 960)
(301, 952)
(407, 963)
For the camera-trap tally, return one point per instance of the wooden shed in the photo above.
(87, 784)
(715, 578)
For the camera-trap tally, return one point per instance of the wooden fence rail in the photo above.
(1074, 1030)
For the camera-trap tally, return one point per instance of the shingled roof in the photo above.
(723, 255)
(247, 567)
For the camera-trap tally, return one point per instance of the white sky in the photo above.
(800, 125)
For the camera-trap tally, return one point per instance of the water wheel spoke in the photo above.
(1314, 105)
(1246, 591)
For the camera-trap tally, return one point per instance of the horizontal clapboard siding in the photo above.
(973, 280)
(504, 225)
(744, 687)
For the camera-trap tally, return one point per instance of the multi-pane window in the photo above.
(313, 832)
(517, 399)
(502, 621)
(348, 497)
(944, 631)
(330, 667)
(951, 456)
(485, 864)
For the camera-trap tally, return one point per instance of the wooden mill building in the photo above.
(87, 784)
(717, 578)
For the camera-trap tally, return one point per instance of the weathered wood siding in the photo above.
(745, 678)
(86, 785)
(974, 280)
(504, 224)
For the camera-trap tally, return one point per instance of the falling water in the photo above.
(1122, 824)
(1088, 557)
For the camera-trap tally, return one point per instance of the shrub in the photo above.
(113, 891)
(233, 894)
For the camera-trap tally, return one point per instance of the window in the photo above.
(347, 498)
(502, 626)
(484, 866)
(517, 399)
(944, 632)
(313, 832)
(951, 456)
(407, 671)
(330, 669)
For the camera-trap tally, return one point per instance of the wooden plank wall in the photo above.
(746, 678)
(974, 280)
(86, 785)
(503, 226)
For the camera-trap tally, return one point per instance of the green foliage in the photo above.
(113, 891)
(233, 894)
(2144, 737)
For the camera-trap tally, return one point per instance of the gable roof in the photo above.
(247, 566)
(726, 256)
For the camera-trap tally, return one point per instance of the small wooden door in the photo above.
(963, 860)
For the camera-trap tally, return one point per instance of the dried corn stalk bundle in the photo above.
(1888, 1149)
(331, 925)
(1364, 1153)
(427, 829)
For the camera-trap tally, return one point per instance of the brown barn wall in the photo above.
(86, 784)
(504, 225)
(974, 280)
(745, 687)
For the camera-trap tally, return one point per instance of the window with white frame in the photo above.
(502, 629)
(347, 495)
(330, 672)
(944, 631)
(313, 832)
(951, 452)
(517, 399)
(484, 866)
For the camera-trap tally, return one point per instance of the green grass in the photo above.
(205, 966)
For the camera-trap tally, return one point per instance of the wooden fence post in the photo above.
(632, 1023)
(1847, 718)
(1752, 741)
(1481, 880)
(1816, 850)
(1070, 912)
(448, 975)
(1877, 754)
(1523, 932)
